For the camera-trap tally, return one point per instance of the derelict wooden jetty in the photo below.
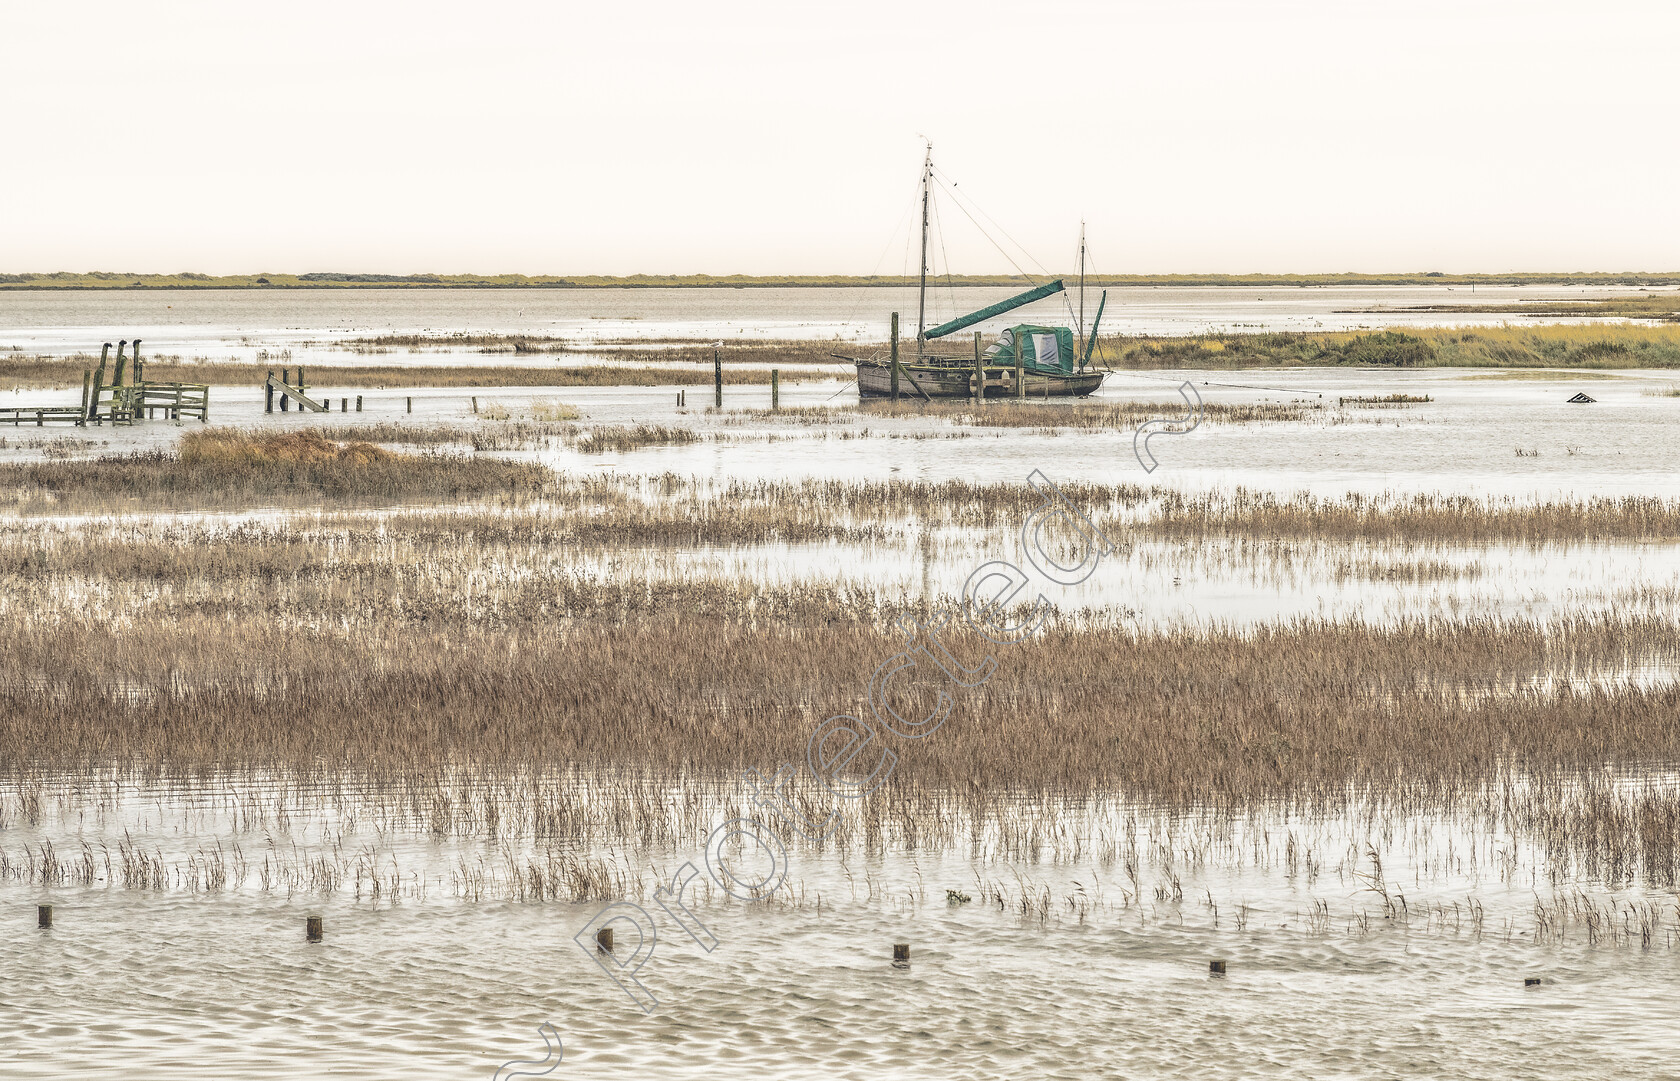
(289, 393)
(127, 398)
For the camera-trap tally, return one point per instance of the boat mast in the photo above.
(921, 299)
(1082, 280)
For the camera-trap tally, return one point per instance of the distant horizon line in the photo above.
(341, 280)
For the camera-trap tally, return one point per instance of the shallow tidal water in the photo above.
(1109, 978)
(1060, 965)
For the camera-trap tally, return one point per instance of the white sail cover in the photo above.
(1045, 352)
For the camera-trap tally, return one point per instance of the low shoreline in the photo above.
(109, 280)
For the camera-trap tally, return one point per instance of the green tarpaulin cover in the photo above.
(1044, 349)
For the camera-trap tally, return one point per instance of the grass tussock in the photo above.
(223, 468)
(625, 437)
(229, 447)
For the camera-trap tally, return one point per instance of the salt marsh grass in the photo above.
(221, 468)
(459, 672)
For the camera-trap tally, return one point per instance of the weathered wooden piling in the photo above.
(87, 384)
(411, 405)
(475, 405)
(313, 930)
(285, 399)
(775, 389)
(1531, 981)
(344, 405)
(1216, 968)
(122, 364)
(901, 954)
(604, 940)
(98, 383)
(139, 372)
(979, 372)
(717, 379)
(895, 358)
(358, 403)
(43, 916)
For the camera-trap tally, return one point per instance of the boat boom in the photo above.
(996, 309)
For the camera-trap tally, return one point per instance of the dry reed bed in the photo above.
(445, 727)
(219, 469)
(499, 653)
(424, 648)
(1463, 519)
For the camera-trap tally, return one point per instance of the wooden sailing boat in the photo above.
(1025, 361)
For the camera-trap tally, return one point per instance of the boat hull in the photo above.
(875, 381)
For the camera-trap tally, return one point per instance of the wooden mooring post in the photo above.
(268, 390)
(979, 372)
(43, 917)
(775, 390)
(717, 379)
(98, 384)
(895, 358)
(901, 955)
(604, 940)
(411, 405)
(313, 931)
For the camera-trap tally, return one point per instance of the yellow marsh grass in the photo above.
(218, 468)
(1415, 518)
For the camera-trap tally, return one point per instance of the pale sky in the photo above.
(722, 137)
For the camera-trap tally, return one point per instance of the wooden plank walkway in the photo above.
(39, 415)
